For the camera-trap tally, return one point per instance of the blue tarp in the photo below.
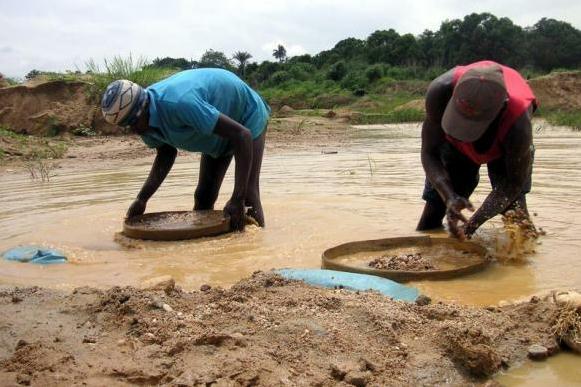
(352, 281)
(34, 254)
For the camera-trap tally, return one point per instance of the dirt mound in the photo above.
(3, 81)
(558, 90)
(263, 331)
(50, 108)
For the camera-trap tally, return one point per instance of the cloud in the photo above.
(63, 34)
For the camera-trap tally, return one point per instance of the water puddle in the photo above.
(313, 200)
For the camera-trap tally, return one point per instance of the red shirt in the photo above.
(520, 98)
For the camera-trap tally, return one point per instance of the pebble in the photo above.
(157, 303)
(167, 308)
(538, 352)
(423, 300)
(89, 340)
(357, 378)
(205, 287)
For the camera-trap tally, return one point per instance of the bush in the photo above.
(374, 73)
(301, 71)
(279, 77)
(354, 81)
(337, 71)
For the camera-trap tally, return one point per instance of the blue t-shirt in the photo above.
(184, 109)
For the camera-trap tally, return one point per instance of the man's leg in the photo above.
(212, 173)
(464, 175)
(253, 190)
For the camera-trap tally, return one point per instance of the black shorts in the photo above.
(465, 174)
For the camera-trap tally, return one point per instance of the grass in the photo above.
(41, 169)
(564, 118)
(135, 70)
(393, 117)
(31, 147)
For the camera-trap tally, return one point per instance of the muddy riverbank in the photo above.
(363, 181)
(262, 331)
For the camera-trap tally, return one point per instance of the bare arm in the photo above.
(162, 164)
(438, 95)
(241, 140)
(518, 162)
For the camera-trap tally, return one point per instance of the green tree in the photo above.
(481, 36)
(32, 74)
(349, 48)
(380, 45)
(242, 57)
(215, 59)
(178, 63)
(279, 53)
(553, 44)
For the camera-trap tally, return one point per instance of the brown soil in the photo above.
(262, 331)
(558, 90)
(403, 262)
(50, 108)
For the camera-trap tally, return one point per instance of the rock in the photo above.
(357, 378)
(21, 343)
(572, 344)
(15, 299)
(538, 352)
(205, 287)
(157, 303)
(285, 110)
(89, 340)
(164, 282)
(330, 114)
(340, 370)
(23, 379)
(568, 298)
(167, 308)
(423, 300)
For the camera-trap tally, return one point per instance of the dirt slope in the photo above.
(50, 108)
(263, 331)
(558, 90)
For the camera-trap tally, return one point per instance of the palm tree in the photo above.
(242, 57)
(279, 53)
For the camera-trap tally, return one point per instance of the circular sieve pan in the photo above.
(468, 257)
(176, 225)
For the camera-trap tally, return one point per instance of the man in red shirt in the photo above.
(476, 114)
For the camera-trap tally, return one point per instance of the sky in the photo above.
(58, 35)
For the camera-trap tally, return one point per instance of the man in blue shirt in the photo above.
(211, 111)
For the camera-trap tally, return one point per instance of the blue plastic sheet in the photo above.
(34, 254)
(352, 281)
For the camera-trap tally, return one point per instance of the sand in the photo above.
(263, 331)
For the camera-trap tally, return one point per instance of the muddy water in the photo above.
(313, 200)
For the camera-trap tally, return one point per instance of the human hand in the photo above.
(454, 208)
(136, 208)
(470, 228)
(235, 210)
